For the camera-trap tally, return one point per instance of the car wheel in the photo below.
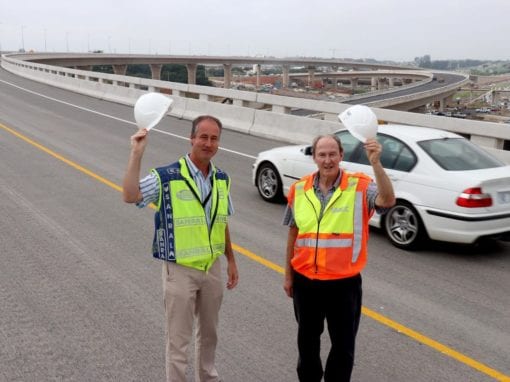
(403, 226)
(269, 183)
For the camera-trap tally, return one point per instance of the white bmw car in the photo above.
(447, 188)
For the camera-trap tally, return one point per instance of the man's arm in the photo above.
(386, 196)
(131, 184)
(289, 278)
(233, 274)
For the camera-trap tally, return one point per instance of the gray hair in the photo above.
(319, 137)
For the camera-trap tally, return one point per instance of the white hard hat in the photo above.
(361, 122)
(150, 108)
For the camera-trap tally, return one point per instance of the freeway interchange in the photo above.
(81, 294)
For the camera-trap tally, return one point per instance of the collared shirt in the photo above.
(149, 187)
(372, 192)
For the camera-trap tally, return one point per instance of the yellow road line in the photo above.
(436, 345)
(61, 158)
(368, 312)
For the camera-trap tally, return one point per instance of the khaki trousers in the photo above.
(191, 296)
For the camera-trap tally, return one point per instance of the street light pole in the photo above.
(22, 39)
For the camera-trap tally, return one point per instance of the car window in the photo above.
(405, 160)
(458, 154)
(349, 144)
(395, 154)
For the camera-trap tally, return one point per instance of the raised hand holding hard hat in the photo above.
(361, 122)
(150, 108)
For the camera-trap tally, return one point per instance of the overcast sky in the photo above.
(396, 30)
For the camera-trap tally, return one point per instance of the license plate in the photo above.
(504, 197)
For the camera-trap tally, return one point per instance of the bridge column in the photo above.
(311, 75)
(354, 83)
(442, 104)
(227, 75)
(285, 76)
(256, 67)
(334, 68)
(156, 71)
(192, 73)
(373, 83)
(120, 69)
(391, 82)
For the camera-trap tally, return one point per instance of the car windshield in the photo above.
(458, 154)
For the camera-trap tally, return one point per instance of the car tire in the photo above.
(403, 226)
(269, 183)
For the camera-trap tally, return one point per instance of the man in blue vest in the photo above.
(193, 202)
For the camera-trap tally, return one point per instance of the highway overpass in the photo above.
(259, 114)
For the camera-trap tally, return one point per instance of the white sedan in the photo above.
(447, 188)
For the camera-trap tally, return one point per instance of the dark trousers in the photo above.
(339, 303)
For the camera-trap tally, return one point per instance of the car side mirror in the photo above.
(308, 150)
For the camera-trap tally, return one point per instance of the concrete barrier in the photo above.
(244, 114)
(232, 117)
(290, 128)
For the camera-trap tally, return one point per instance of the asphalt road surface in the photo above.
(81, 296)
(448, 79)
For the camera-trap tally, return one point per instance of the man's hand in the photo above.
(131, 184)
(373, 150)
(386, 196)
(139, 140)
(287, 285)
(233, 274)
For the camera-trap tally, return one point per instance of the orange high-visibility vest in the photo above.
(333, 246)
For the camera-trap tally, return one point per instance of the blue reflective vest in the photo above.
(181, 231)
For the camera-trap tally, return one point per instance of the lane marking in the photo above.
(115, 118)
(368, 312)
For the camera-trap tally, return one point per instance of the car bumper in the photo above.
(463, 228)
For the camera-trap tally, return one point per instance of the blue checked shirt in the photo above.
(149, 186)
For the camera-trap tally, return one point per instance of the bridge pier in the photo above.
(285, 76)
(156, 71)
(381, 83)
(256, 67)
(192, 73)
(227, 75)
(373, 84)
(311, 75)
(120, 69)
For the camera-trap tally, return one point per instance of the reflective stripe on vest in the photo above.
(324, 243)
(358, 226)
